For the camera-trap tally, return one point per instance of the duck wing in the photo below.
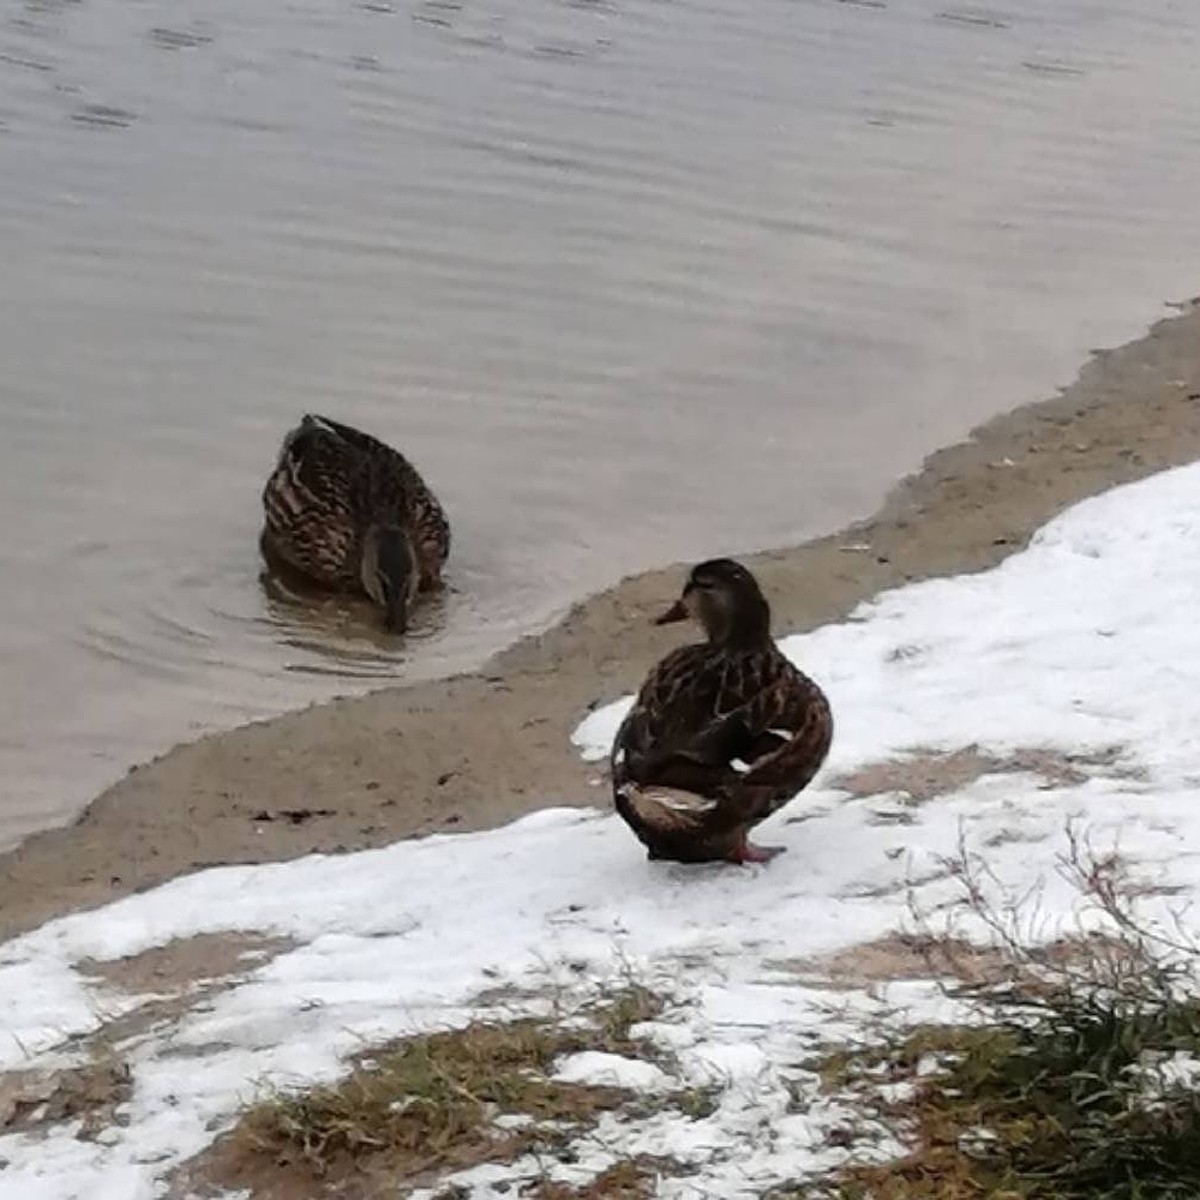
(699, 762)
(790, 727)
(363, 444)
(670, 726)
(310, 505)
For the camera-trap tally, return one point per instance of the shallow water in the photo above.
(630, 281)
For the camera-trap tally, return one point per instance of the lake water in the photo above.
(630, 281)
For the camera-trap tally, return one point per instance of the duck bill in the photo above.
(677, 612)
(395, 617)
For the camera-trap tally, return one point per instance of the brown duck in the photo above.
(722, 733)
(351, 514)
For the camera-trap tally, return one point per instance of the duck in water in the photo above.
(350, 514)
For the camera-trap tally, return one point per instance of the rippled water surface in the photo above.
(630, 280)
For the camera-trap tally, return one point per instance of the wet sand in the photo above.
(477, 750)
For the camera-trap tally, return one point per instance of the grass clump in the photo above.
(1066, 1107)
(429, 1100)
(1080, 1079)
(449, 1099)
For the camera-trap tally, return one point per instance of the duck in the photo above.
(350, 514)
(722, 733)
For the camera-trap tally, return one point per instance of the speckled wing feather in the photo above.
(311, 522)
(792, 729)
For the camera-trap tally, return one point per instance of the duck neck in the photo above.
(748, 627)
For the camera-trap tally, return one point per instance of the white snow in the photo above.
(1086, 642)
(612, 1070)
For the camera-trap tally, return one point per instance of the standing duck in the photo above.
(723, 733)
(351, 514)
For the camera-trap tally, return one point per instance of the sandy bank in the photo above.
(367, 771)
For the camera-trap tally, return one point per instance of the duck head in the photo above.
(389, 573)
(725, 599)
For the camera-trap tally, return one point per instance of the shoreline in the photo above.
(370, 770)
